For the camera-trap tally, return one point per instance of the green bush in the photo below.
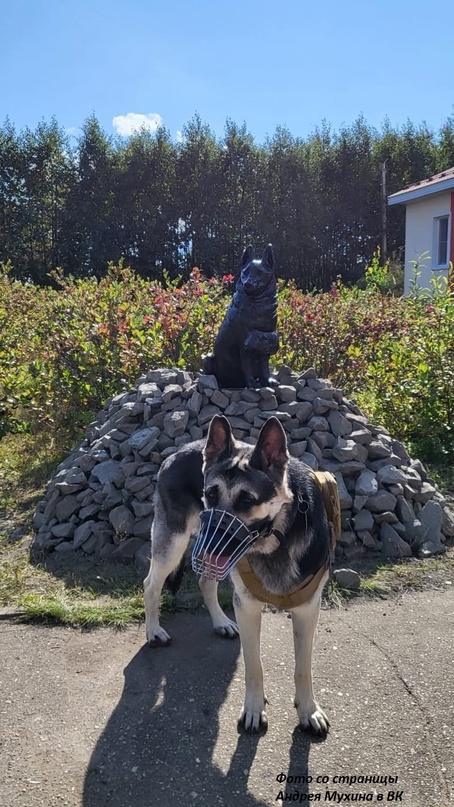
(63, 351)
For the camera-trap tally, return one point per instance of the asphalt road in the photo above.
(89, 719)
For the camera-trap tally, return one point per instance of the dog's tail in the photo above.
(173, 581)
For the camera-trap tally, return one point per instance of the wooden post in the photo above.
(384, 247)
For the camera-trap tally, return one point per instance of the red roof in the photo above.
(435, 184)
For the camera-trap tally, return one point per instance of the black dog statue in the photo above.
(247, 336)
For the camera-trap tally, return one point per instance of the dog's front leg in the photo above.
(305, 618)
(221, 623)
(165, 560)
(248, 612)
(248, 368)
(153, 584)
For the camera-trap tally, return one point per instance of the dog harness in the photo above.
(305, 591)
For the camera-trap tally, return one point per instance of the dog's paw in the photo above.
(158, 637)
(227, 628)
(313, 719)
(252, 722)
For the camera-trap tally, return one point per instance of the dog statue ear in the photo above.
(219, 440)
(271, 449)
(248, 256)
(268, 259)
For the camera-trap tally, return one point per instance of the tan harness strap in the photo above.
(330, 492)
(303, 593)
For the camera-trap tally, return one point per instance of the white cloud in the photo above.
(179, 137)
(73, 131)
(126, 125)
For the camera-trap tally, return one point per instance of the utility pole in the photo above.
(384, 248)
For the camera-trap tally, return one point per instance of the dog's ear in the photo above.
(268, 260)
(270, 452)
(248, 256)
(219, 440)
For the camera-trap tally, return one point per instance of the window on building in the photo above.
(442, 241)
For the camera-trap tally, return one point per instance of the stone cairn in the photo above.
(100, 499)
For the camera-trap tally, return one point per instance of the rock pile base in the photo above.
(100, 499)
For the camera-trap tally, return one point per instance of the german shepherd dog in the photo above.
(273, 494)
(247, 336)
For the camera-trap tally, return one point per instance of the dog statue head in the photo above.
(255, 275)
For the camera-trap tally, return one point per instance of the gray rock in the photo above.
(171, 391)
(366, 484)
(381, 501)
(387, 516)
(340, 426)
(324, 439)
(220, 399)
(142, 528)
(122, 520)
(322, 405)
(346, 538)
(389, 475)
(298, 449)
(64, 547)
(347, 578)
(175, 423)
(368, 540)
(163, 376)
(314, 448)
(361, 436)
(363, 520)
(448, 522)
(378, 450)
(318, 424)
(135, 483)
(142, 559)
(425, 493)
(126, 550)
(286, 393)
(393, 546)
(142, 509)
(346, 468)
(345, 450)
(88, 511)
(307, 394)
(82, 533)
(206, 413)
(206, 382)
(65, 530)
(66, 507)
(147, 390)
(430, 548)
(344, 496)
(310, 460)
(143, 438)
(105, 471)
(359, 502)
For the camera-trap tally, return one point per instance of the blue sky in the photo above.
(292, 63)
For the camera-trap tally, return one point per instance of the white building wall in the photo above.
(420, 236)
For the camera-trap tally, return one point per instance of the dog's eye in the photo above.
(211, 494)
(246, 499)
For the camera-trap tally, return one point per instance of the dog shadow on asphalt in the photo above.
(158, 744)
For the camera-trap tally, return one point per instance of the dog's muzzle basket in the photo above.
(221, 541)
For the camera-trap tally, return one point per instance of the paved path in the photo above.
(95, 719)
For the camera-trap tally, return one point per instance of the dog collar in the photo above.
(265, 528)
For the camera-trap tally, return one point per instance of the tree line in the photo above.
(166, 206)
